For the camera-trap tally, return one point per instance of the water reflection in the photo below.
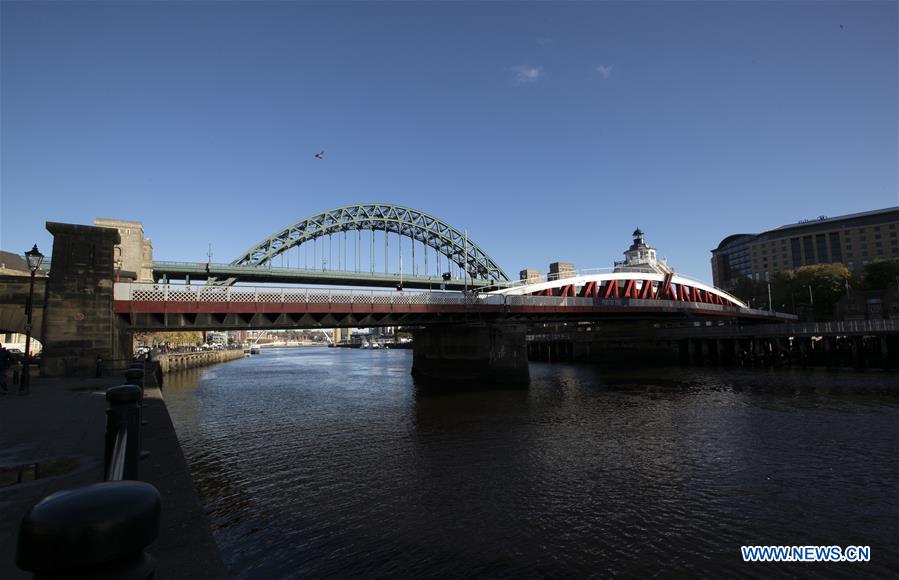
(317, 462)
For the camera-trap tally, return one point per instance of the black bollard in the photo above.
(123, 413)
(134, 376)
(99, 532)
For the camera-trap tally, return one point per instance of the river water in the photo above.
(322, 462)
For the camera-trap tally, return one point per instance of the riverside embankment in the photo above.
(187, 360)
(66, 451)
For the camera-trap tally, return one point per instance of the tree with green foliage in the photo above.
(744, 288)
(173, 338)
(814, 288)
(881, 275)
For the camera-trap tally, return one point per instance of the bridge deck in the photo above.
(167, 306)
(275, 275)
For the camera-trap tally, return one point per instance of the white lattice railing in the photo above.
(144, 292)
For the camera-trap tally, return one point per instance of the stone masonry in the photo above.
(78, 321)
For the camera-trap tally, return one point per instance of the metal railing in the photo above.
(831, 328)
(145, 292)
(124, 417)
(116, 469)
(100, 530)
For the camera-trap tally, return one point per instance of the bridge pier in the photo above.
(79, 323)
(471, 355)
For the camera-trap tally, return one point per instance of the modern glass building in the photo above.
(852, 240)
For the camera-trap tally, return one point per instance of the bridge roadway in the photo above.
(141, 306)
(273, 275)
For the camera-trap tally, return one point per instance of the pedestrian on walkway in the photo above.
(5, 360)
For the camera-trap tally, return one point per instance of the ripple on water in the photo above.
(330, 462)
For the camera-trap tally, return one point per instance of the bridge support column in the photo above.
(691, 351)
(705, 352)
(858, 351)
(781, 351)
(79, 324)
(471, 355)
(757, 355)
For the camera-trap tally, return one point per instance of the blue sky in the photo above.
(548, 130)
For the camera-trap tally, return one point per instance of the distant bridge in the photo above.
(362, 245)
(442, 249)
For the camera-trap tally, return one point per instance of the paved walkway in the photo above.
(59, 428)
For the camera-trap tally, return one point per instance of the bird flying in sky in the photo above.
(320, 155)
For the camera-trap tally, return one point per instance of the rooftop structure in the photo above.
(640, 256)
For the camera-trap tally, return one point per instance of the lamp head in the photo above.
(34, 258)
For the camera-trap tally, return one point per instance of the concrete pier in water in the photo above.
(475, 354)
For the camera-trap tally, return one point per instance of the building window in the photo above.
(797, 255)
(821, 247)
(836, 254)
(808, 249)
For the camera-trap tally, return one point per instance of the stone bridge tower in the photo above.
(79, 323)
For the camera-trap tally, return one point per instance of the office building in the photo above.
(853, 240)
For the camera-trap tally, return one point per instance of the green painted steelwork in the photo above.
(268, 274)
(376, 217)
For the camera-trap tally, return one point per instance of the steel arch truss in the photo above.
(377, 217)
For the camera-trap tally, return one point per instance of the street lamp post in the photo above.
(34, 258)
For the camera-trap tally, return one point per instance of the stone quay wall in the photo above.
(188, 360)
